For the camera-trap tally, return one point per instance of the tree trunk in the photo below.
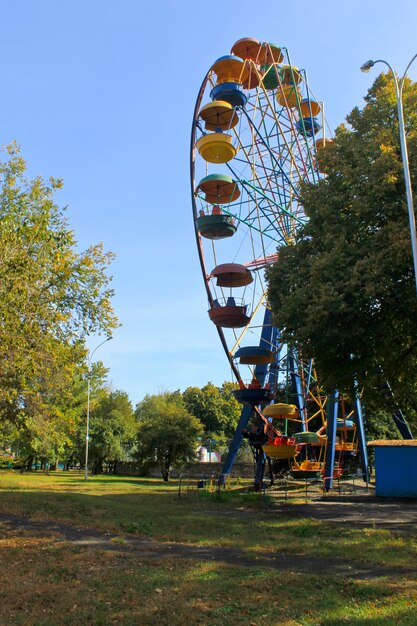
(98, 467)
(165, 473)
(29, 463)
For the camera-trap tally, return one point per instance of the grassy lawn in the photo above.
(47, 581)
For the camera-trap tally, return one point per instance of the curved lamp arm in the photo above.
(404, 151)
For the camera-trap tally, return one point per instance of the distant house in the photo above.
(206, 456)
(6, 459)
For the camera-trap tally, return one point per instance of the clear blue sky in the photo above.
(102, 92)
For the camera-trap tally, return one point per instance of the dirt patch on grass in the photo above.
(45, 582)
(55, 533)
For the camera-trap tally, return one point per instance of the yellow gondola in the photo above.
(306, 469)
(219, 115)
(230, 69)
(290, 75)
(309, 108)
(288, 95)
(281, 411)
(216, 148)
(281, 448)
(322, 143)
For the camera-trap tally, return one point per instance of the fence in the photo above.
(286, 489)
(191, 483)
(290, 489)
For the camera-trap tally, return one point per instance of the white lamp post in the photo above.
(399, 85)
(87, 422)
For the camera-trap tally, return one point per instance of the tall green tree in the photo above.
(215, 407)
(168, 434)
(345, 292)
(51, 295)
(112, 430)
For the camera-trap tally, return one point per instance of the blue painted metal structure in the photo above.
(268, 339)
(298, 388)
(332, 410)
(402, 425)
(401, 483)
(235, 444)
(360, 433)
(398, 416)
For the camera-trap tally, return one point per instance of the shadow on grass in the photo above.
(149, 507)
(128, 591)
(319, 585)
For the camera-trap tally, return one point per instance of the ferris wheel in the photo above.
(255, 139)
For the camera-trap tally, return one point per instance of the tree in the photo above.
(51, 297)
(215, 407)
(112, 430)
(168, 433)
(75, 408)
(345, 292)
(42, 437)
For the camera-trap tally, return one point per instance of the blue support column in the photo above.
(273, 368)
(398, 416)
(268, 331)
(401, 424)
(310, 370)
(360, 432)
(332, 410)
(296, 380)
(265, 342)
(236, 441)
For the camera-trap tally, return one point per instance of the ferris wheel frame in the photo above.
(294, 218)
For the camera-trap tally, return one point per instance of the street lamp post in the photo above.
(399, 85)
(87, 421)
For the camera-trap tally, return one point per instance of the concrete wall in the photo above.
(241, 470)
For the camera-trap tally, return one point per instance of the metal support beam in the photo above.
(296, 381)
(360, 432)
(332, 410)
(234, 446)
(401, 424)
(398, 416)
(268, 331)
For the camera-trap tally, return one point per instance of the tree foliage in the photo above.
(168, 433)
(215, 407)
(112, 429)
(51, 297)
(345, 292)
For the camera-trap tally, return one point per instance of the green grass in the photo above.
(150, 508)
(45, 581)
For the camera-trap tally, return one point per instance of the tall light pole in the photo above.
(399, 85)
(87, 421)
